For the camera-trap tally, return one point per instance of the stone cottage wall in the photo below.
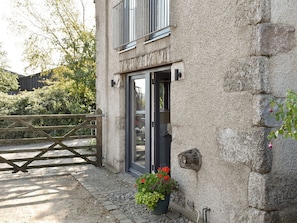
(234, 57)
(271, 191)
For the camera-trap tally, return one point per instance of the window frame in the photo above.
(155, 31)
(129, 26)
(129, 40)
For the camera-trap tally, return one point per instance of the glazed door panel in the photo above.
(148, 122)
(139, 124)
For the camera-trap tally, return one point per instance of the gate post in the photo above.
(99, 137)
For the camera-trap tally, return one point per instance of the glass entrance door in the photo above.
(148, 122)
(138, 124)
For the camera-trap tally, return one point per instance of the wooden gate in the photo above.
(39, 141)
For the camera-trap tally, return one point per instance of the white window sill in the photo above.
(156, 38)
(127, 49)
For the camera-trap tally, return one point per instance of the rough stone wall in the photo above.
(271, 191)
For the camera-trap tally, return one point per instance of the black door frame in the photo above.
(162, 138)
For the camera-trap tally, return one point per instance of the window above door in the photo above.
(134, 19)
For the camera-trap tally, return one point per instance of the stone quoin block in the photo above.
(260, 216)
(269, 39)
(257, 190)
(271, 192)
(248, 74)
(246, 147)
(252, 12)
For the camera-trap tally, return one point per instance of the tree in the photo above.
(58, 40)
(8, 80)
(3, 58)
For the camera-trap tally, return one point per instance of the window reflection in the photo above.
(139, 122)
(162, 15)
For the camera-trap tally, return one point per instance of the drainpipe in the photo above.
(204, 212)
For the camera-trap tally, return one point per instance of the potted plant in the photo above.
(153, 190)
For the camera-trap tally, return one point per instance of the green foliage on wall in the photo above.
(287, 113)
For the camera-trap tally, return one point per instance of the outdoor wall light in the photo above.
(190, 159)
(177, 74)
(112, 83)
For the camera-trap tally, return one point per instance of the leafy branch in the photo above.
(287, 113)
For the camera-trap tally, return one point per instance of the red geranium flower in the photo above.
(142, 181)
(166, 169)
(166, 178)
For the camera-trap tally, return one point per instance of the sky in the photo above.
(12, 42)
